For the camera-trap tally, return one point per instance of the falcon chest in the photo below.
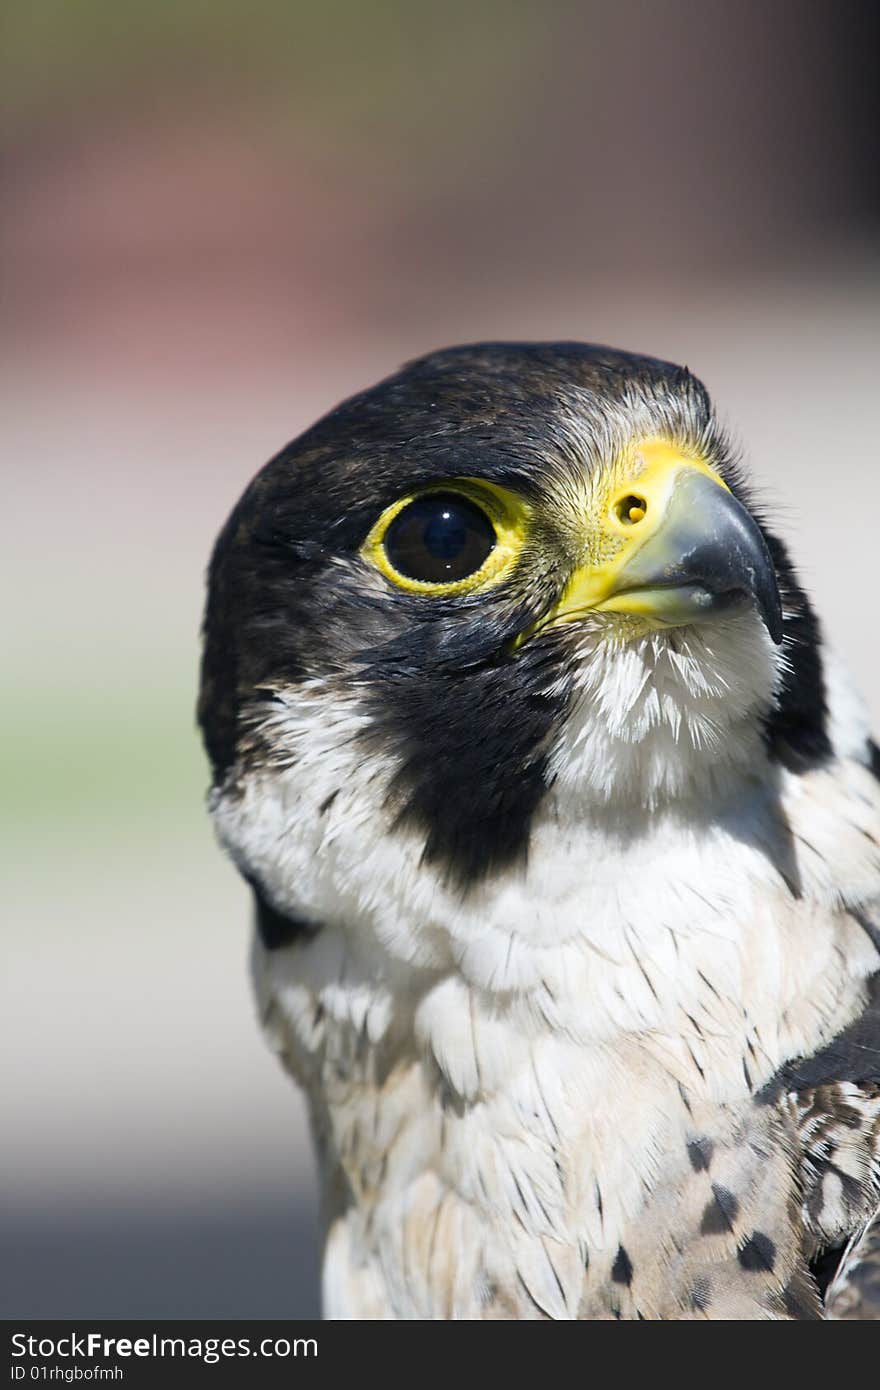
(551, 1113)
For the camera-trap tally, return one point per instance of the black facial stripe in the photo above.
(473, 757)
(796, 731)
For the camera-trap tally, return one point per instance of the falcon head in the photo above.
(510, 572)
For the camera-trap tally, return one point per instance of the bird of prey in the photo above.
(563, 831)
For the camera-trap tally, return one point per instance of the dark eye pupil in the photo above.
(439, 539)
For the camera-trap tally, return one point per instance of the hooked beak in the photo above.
(684, 550)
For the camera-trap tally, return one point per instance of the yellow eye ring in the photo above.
(506, 519)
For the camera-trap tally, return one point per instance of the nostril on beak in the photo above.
(631, 509)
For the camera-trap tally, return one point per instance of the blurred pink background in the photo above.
(218, 220)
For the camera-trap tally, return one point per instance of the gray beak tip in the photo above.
(773, 620)
(727, 550)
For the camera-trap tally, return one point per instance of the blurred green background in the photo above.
(218, 220)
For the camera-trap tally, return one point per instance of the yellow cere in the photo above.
(658, 454)
(627, 506)
(634, 500)
(508, 514)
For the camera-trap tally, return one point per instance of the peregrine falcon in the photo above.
(563, 831)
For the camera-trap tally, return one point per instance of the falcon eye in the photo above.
(439, 539)
(458, 536)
